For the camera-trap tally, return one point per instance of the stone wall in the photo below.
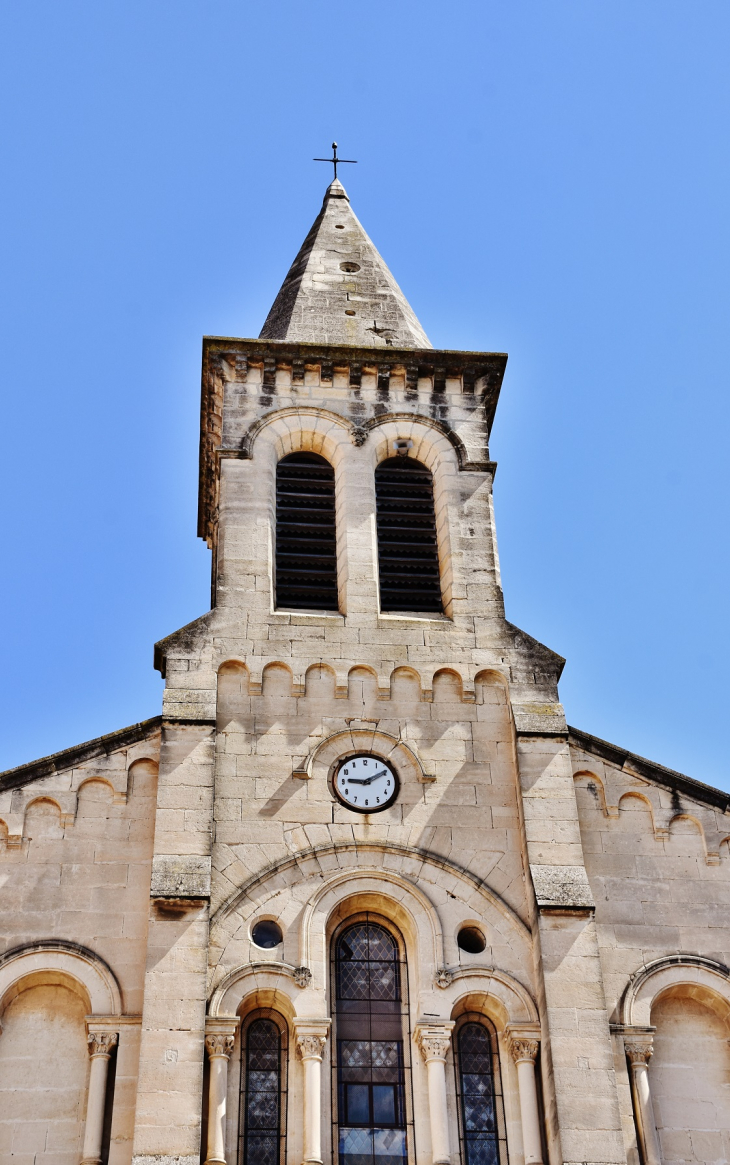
(75, 858)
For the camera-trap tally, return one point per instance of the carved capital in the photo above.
(434, 1040)
(311, 1046)
(101, 1043)
(302, 976)
(523, 1047)
(219, 1044)
(639, 1050)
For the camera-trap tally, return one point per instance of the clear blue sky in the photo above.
(544, 177)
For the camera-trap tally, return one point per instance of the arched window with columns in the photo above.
(262, 1123)
(482, 1131)
(408, 558)
(306, 534)
(371, 1054)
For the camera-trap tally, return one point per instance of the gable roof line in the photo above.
(67, 758)
(668, 778)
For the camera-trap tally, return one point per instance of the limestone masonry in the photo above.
(494, 939)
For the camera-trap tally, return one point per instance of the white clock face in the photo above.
(366, 783)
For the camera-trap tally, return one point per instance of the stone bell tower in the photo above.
(357, 612)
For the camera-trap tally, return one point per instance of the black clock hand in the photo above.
(366, 780)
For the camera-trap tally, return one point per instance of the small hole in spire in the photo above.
(349, 266)
(349, 312)
(339, 226)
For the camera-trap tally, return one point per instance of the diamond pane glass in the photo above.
(477, 1095)
(367, 964)
(370, 1071)
(262, 1108)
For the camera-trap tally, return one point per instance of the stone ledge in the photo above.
(164, 1159)
(180, 877)
(562, 888)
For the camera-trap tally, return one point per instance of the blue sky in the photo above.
(548, 179)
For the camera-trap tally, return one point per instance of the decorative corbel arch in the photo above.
(52, 960)
(361, 882)
(705, 979)
(272, 980)
(406, 421)
(296, 428)
(494, 993)
(352, 740)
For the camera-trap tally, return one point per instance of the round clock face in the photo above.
(366, 783)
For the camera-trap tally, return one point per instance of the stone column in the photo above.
(219, 1038)
(311, 1037)
(639, 1050)
(523, 1047)
(434, 1040)
(100, 1044)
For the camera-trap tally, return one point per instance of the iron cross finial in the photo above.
(334, 159)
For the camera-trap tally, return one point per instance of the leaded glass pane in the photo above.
(371, 1078)
(262, 1108)
(477, 1095)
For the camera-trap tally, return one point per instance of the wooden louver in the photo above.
(407, 546)
(306, 548)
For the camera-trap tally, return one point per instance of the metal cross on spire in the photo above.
(334, 159)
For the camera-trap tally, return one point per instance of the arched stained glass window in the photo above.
(479, 1093)
(262, 1093)
(408, 559)
(370, 1055)
(306, 539)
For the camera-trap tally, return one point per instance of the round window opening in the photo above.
(349, 266)
(266, 934)
(471, 940)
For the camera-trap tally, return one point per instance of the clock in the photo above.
(366, 783)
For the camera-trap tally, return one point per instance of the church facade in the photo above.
(359, 895)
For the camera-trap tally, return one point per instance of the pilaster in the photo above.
(169, 1096)
(583, 1117)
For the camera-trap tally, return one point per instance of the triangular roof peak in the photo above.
(339, 289)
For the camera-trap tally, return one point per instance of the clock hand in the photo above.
(366, 780)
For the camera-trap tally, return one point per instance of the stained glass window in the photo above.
(479, 1094)
(262, 1094)
(370, 1048)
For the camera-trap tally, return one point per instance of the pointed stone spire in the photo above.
(340, 291)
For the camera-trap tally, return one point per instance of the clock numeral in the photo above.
(347, 772)
(378, 800)
(366, 801)
(355, 800)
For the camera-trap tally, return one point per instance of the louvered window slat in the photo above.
(306, 540)
(410, 579)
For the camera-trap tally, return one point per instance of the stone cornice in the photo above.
(480, 375)
(656, 773)
(78, 754)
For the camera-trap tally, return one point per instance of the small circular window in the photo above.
(349, 266)
(471, 940)
(266, 934)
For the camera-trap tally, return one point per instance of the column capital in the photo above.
(310, 1036)
(639, 1046)
(219, 1044)
(523, 1041)
(433, 1039)
(101, 1043)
